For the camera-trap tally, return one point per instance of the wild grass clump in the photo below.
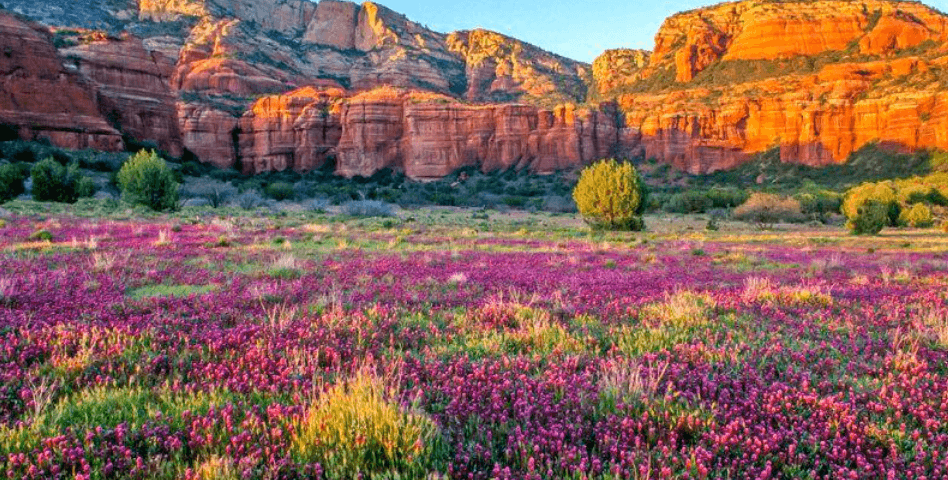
(680, 318)
(624, 381)
(357, 429)
(763, 290)
(680, 309)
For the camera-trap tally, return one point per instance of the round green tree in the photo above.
(881, 195)
(146, 179)
(611, 195)
(870, 218)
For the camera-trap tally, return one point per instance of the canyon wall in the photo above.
(269, 85)
(426, 136)
(41, 98)
(818, 80)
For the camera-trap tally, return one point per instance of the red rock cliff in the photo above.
(132, 89)
(818, 80)
(425, 135)
(41, 98)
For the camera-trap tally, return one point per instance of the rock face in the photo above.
(690, 42)
(41, 99)
(818, 80)
(133, 90)
(432, 137)
(222, 79)
(209, 133)
(425, 135)
(296, 131)
(814, 120)
(502, 69)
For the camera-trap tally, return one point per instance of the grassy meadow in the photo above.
(453, 343)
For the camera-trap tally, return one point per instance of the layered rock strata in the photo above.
(41, 98)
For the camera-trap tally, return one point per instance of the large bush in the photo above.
(147, 180)
(879, 194)
(611, 195)
(11, 182)
(870, 218)
(52, 182)
(767, 208)
(917, 216)
(691, 201)
(819, 203)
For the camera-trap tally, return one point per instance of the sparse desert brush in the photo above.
(767, 208)
(358, 428)
(935, 322)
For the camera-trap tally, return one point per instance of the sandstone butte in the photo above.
(268, 85)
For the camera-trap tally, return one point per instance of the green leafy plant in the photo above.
(147, 180)
(870, 218)
(917, 216)
(11, 182)
(611, 195)
(280, 191)
(880, 195)
(52, 182)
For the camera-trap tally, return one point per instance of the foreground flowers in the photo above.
(226, 350)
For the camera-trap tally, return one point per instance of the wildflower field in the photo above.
(281, 348)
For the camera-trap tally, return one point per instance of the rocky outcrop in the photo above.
(818, 80)
(296, 131)
(209, 133)
(41, 98)
(814, 120)
(431, 137)
(132, 89)
(690, 42)
(618, 68)
(503, 69)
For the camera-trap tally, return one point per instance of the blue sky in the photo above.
(578, 29)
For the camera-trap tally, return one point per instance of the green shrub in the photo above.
(53, 182)
(280, 191)
(870, 218)
(691, 201)
(42, 236)
(147, 180)
(767, 208)
(11, 182)
(918, 216)
(819, 203)
(358, 430)
(878, 194)
(611, 195)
